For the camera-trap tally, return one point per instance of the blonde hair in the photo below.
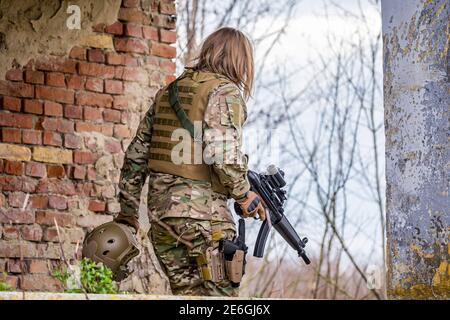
(229, 52)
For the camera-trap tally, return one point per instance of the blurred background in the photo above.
(317, 113)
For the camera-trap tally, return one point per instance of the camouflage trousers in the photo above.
(180, 263)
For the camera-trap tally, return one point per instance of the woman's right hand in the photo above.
(251, 205)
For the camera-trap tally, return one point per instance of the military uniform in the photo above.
(191, 198)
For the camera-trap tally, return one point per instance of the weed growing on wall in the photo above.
(92, 278)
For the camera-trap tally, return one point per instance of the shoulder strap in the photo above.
(175, 104)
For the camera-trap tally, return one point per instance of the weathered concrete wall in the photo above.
(71, 100)
(416, 99)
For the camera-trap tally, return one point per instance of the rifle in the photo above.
(269, 186)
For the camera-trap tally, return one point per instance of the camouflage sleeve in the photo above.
(224, 119)
(135, 170)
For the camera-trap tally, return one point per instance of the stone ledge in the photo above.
(8, 295)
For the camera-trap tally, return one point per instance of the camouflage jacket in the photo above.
(181, 197)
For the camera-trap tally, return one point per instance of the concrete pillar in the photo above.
(416, 102)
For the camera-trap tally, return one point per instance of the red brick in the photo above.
(91, 174)
(79, 172)
(96, 70)
(78, 53)
(57, 202)
(14, 75)
(38, 266)
(14, 215)
(92, 114)
(65, 126)
(57, 64)
(24, 121)
(111, 115)
(131, 74)
(94, 99)
(11, 135)
(121, 102)
(55, 171)
(35, 169)
(64, 187)
(87, 127)
(16, 199)
(28, 184)
(94, 84)
(51, 234)
(131, 45)
(150, 33)
(72, 141)
(71, 111)
(107, 129)
(11, 233)
(52, 139)
(167, 36)
(62, 218)
(55, 79)
(75, 82)
(114, 58)
(99, 27)
(12, 104)
(163, 50)
(32, 232)
(133, 30)
(55, 94)
(32, 136)
(53, 109)
(113, 86)
(50, 124)
(130, 3)
(115, 28)
(16, 266)
(97, 206)
(96, 55)
(16, 89)
(130, 61)
(39, 202)
(167, 8)
(33, 106)
(16, 183)
(84, 157)
(40, 282)
(36, 77)
(113, 146)
(121, 131)
(13, 167)
(168, 66)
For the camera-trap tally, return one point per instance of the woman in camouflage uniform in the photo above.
(191, 197)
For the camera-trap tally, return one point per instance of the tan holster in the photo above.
(215, 268)
(235, 268)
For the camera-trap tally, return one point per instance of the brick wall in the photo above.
(65, 123)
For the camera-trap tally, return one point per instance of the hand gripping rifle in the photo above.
(269, 186)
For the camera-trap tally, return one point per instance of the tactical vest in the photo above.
(194, 88)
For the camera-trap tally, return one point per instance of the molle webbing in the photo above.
(180, 105)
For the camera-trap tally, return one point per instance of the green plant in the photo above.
(93, 277)
(96, 278)
(3, 285)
